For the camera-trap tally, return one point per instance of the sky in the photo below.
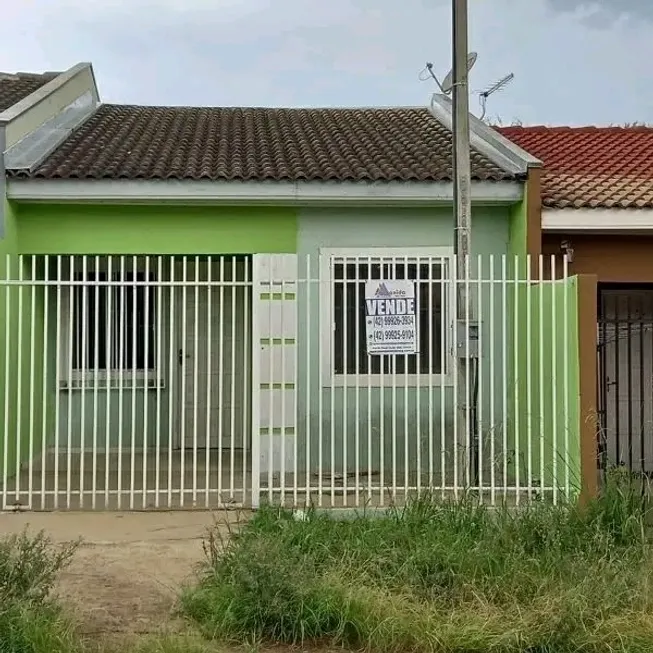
(575, 62)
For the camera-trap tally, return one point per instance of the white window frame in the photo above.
(330, 255)
(125, 378)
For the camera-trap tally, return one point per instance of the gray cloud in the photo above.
(345, 52)
(603, 11)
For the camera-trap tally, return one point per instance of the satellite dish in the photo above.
(447, 83)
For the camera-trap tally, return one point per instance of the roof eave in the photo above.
(300, 193)
(486, 141)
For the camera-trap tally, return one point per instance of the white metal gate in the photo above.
(161, 382)
(126, 382)
(336, 426)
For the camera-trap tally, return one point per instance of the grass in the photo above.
(436, 577)
(31, 621)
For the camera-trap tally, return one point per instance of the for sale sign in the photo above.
(390, 317)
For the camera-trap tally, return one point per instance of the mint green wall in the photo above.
(519, 227)
(141, 229)
(24, 344)
(36, 229)
(405, 437)
(546, 403)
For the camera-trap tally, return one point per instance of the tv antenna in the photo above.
(446, 86)
(497, 86)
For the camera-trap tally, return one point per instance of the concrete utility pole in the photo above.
(462, 240)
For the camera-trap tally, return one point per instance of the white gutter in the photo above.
(597, 220)
(254, 192)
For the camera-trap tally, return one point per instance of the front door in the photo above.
(214, 354)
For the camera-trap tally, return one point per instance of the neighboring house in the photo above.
(597, 196)
(186, 316)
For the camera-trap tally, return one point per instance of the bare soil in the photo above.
(126, 575)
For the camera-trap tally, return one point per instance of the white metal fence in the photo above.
(134, 382)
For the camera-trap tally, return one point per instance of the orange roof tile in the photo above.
(591, 167)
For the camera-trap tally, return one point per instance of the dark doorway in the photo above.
(625, 384)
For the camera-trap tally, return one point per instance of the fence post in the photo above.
(587, 354)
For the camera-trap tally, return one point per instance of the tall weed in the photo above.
(436, 576)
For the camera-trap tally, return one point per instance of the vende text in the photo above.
(390, 306)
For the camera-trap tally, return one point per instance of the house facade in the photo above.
(597, 196)
(186, 301)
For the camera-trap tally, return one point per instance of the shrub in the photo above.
(30, 620)
(29, 566)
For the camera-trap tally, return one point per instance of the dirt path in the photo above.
(125, 576)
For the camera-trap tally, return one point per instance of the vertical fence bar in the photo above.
(308, 400)
(173, 383)
(516, 380)
(57, 381)
(209, 382)
(393, 379)
(455, 362)
(19, 380)
(332, 383)
(8, 323)
(504, 375)
(247, 372)
(430, 363)
(184, 380)
(492, 372)
(282, 393)
(407, 483)
(324, 324)
(96, 380)
(81, 349)
(121, 325)
(232, 409)
(541, 288)
(146, 378)
(270, 379)
(357, 384)
(32, 374)
(529, 376)
(641, 425)
(295, 369)
(382, 396)
(629, 379)
(69, 365)
(553, 325)
(158, 372)
(255, 389)
(565, 366)
(196, 356)
(368, 372)
(468, 398)
(134, 382)
(345, 372)
(445, 266)
(221, 373)
(418, 368)
(109, 365)
(479, 381)
(46, 373)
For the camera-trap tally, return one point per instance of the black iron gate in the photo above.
(625, 384)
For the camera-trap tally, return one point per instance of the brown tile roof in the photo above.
(16, 86)
(135, 142)
(591, 167)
